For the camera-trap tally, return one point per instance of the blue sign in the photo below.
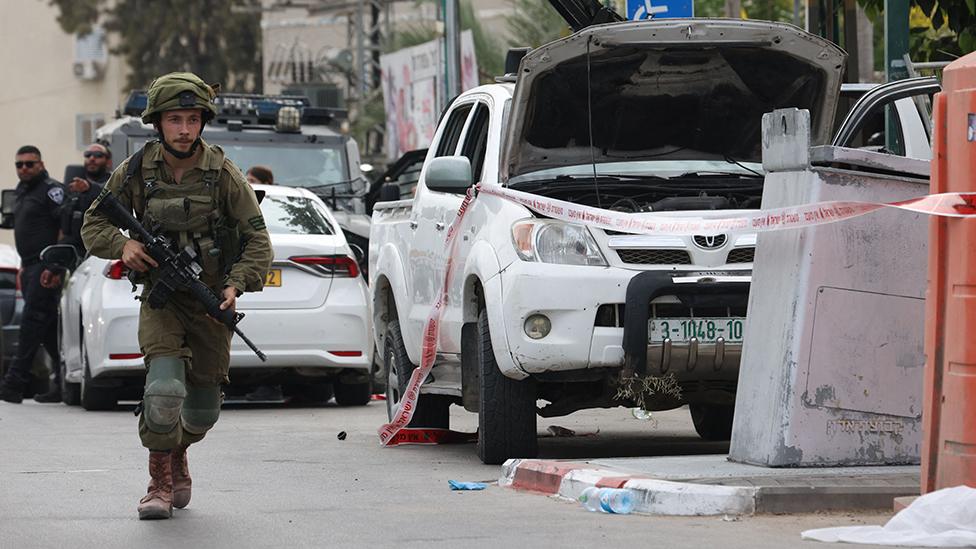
(638, 10)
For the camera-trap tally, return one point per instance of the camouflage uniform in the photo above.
(181, 329)
(214, 210)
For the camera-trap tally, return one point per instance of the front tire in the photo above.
(94, 398)
(712, 421)
(506, 407)
(431, 411)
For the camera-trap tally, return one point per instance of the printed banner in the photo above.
(413, 86)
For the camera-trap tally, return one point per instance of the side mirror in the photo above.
(389, 192)
(60, 255)
(449, 174)
(8, 203)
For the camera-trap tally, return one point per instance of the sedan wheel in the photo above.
(70, 392)
(352, 394)
(94, 398)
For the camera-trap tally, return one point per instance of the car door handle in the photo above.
(413, 224)
(439, 226)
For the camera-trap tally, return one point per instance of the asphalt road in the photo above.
(276, 476)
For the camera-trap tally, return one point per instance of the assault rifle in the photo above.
(177, 270)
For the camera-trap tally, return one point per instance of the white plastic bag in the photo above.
(944, 518)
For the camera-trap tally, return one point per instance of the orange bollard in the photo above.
(949, 401)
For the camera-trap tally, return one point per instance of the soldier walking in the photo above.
(197, 197)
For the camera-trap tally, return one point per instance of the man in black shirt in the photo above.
(81, 192)
(37, 223)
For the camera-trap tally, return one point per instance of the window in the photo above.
(476, 141)
(452, 131)
(294, 165)
(294, 215)
(873, 135)
(85, 126)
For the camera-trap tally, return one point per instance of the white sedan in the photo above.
(311, 319)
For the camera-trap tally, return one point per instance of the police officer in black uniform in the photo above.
(37, 223)
(82, 191)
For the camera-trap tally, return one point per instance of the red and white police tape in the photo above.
(791, 217)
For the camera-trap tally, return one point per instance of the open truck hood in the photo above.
(674, 89)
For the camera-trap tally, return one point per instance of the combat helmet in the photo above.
(179, 90)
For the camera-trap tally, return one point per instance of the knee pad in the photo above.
(201, 409)
(164, 394)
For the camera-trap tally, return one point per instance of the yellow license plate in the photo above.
(273, 278)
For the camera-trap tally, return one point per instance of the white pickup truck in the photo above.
(654, 118)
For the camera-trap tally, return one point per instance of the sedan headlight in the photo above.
(556, 242)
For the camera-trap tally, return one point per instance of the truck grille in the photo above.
(655, 257)
(611, 315)
(741, 255)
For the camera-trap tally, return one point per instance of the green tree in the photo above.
(768, 10)
(534, 23)
(220, 40)
(939, 30)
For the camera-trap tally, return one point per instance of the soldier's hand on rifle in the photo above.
(230, 298)
(134, 256)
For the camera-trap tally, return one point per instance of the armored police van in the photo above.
(300, 143)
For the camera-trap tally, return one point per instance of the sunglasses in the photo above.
(95, 154)
(25, 164)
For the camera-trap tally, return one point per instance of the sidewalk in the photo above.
(712, 485)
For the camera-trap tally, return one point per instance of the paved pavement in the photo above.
(271, 476)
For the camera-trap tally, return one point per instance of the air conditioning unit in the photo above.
(87, 70)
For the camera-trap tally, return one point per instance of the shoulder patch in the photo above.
(257, 223)
(56, 194)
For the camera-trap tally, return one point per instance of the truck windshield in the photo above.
(294, 166)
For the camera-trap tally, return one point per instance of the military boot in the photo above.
(158, 501)
(181, 478)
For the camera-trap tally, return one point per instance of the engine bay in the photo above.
(641, 196)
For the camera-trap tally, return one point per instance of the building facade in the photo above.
(60, 87)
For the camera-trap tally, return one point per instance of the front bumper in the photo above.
(578, 341)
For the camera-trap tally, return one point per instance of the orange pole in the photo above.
(949, 401)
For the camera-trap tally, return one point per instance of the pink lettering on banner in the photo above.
(396, 432)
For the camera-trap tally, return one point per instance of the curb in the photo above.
(668, 497)
(654, 497)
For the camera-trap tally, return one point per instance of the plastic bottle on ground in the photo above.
(641, 414)
(617, 501)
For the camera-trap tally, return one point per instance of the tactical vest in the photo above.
(189, 214)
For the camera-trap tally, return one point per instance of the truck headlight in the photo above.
(549, 241)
